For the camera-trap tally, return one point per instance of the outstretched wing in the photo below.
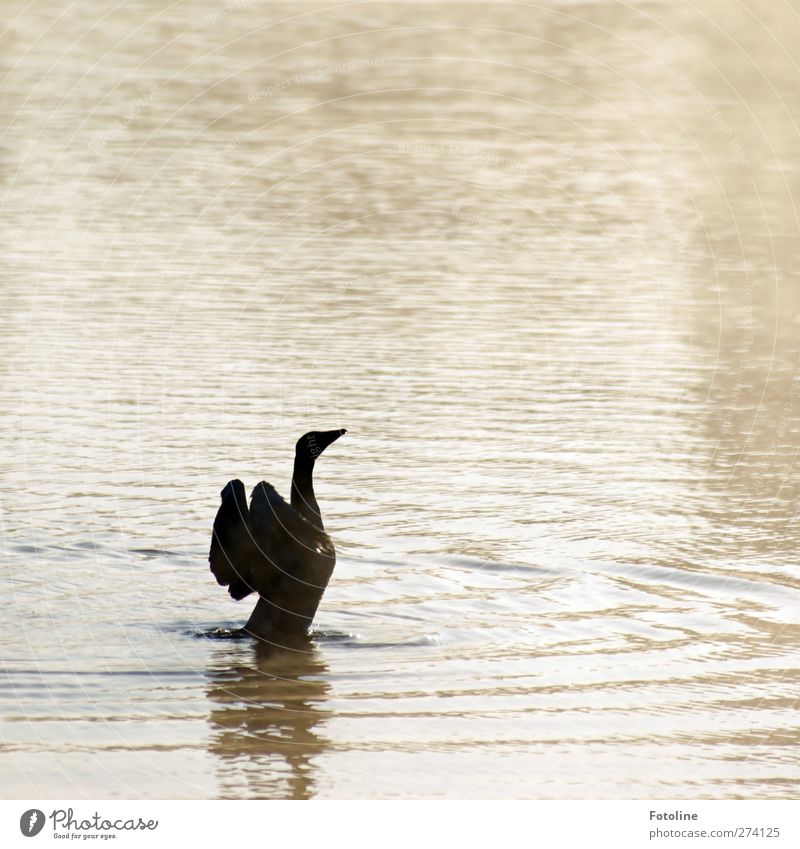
(234, 554)
(287, 539)
(298, 554)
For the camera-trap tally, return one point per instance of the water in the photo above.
(540, 261)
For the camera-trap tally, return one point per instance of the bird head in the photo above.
(312, 444)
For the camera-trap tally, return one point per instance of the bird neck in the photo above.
(303, 498)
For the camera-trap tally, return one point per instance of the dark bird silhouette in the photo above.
(278, 550)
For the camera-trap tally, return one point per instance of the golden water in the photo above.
(540, 260)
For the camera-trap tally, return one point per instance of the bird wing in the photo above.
(288, 541)
(233, 553)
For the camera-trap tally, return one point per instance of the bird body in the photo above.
(279, 550)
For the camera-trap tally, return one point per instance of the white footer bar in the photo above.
(378, 824)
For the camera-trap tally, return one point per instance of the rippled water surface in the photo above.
(540, 260)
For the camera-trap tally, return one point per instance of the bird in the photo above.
(278, 550)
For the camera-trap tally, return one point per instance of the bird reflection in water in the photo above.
(267, 716)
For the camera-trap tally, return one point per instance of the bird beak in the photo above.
(330, 436)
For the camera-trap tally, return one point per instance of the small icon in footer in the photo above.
(31, 822)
